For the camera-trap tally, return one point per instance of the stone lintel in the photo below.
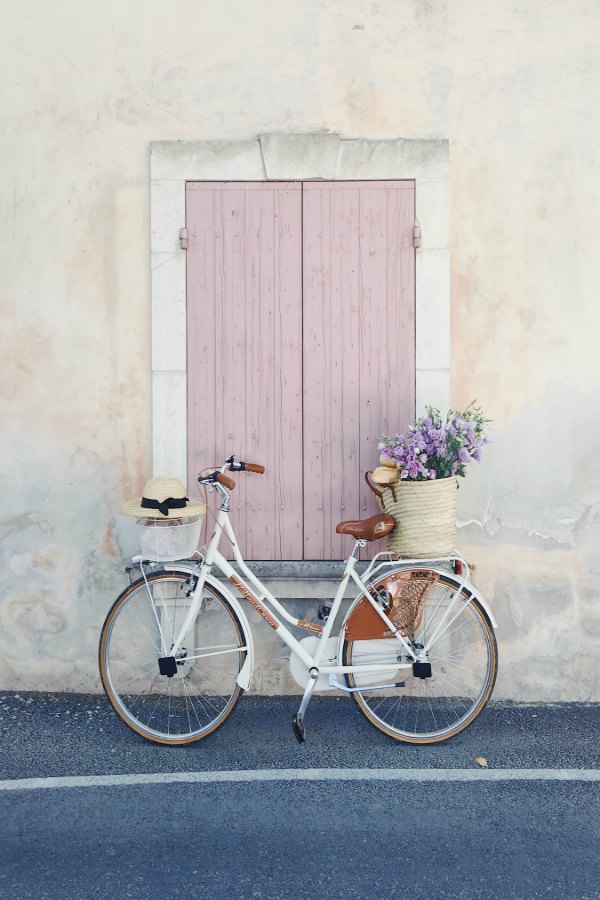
(300, 156)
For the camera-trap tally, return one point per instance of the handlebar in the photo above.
(225, 480)
(255, 467)
(230, 466)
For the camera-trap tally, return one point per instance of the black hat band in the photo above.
(165, 505)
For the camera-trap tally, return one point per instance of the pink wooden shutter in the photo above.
(244, 300)
(300, 349)
(359, 345)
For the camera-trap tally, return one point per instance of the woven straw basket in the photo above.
(425, 514)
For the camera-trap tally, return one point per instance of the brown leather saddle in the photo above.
(367, 529)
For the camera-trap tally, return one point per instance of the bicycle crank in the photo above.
(298, 719)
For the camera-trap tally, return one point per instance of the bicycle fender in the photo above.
(245, 676)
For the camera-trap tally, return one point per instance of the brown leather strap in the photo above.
(226, 481)
(255, 467)
(373, 488)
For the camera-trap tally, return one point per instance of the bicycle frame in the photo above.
(272, 611)
(251, 587)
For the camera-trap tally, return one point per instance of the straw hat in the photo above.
(164, 498)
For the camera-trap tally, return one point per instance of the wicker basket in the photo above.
(425, 515)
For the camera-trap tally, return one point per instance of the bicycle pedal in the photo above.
(299, 729)
(323, 613)
(422, 670)
(167, 665)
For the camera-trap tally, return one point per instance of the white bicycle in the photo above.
(416, 649)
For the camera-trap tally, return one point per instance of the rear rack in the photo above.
(386, 560)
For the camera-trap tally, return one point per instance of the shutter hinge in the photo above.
(417, 235)
(183, 238)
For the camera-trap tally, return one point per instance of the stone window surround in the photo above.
(288, 157)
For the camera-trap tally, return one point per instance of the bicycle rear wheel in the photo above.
(463, 660)
(197, 699)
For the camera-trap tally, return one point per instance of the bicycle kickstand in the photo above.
(298, 719)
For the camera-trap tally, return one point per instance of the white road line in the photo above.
(455, 775)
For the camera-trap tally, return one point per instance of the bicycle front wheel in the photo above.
(144, 620)
(463, 659)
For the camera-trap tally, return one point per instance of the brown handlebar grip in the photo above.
(255, 467)
(226, 481)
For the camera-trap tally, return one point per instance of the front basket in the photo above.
(165, 540)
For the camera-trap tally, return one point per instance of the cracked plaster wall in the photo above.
(86, 88)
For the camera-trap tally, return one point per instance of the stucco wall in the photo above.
(86, 87)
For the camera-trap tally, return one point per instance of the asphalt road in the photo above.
(300, 838)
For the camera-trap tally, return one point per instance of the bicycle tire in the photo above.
(200, 696)
(415, 701)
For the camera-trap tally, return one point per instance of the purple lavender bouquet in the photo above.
(433, 448)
